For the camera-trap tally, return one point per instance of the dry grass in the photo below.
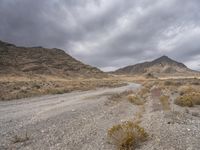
(186, 89)
(22, 87)
(134, 99)
(189, 95)
(172, 83)
(127, 135)
(165, 102)
(184, 101)
(189, 99)
(118, 97)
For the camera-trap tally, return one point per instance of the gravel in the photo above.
(73, 121)
(80, 120)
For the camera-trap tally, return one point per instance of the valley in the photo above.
(49, 100)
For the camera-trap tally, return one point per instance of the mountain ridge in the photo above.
(161, 65)
(43, 61)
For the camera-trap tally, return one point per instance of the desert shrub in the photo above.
(127, 135)
(35, 85)
(135, 100)
(120, 96)
(186, 89)
(168, 83)
(172, 83)
(143, 92)
(165, 102)
(189, 96)
(184, 101)
(56, 91)
(195, 97)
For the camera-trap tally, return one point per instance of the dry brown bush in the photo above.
(134, 99)
(184, 101)
(127, 135)
(190, 96)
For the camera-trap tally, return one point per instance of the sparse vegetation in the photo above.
(134, 99)
(184, 101)
(188, 99)
(143, 92)
(18, 87)
(127, 135)
(172, 83)
(186, 89)
(189, 95)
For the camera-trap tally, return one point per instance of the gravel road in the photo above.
(72, 121)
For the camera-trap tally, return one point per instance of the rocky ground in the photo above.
(175, 129)
(69, 121)
(80, 120)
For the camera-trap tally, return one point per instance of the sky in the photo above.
(107, 34)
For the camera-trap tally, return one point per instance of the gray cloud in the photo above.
(106, 34)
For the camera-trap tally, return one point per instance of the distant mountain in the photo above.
(161, 66)
(38, 60)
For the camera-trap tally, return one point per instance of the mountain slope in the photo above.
(162, 65)
(38, 60)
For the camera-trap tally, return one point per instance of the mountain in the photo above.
(37, 60)
(161, 66)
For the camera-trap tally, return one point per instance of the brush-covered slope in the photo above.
(161, 66)
(42, 61)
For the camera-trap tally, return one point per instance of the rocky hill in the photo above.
(38, 60)
(161, 66)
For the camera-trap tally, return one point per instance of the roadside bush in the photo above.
(127, 136)
(184, 101)
(195, 97)
(117, 96)
(186, 89)
(189, 96)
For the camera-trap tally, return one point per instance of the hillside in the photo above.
(37, 60)
(161, 66)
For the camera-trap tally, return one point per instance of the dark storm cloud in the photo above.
(106, 34)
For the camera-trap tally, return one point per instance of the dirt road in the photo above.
(73, 121)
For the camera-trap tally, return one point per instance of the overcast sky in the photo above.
(106, 33)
